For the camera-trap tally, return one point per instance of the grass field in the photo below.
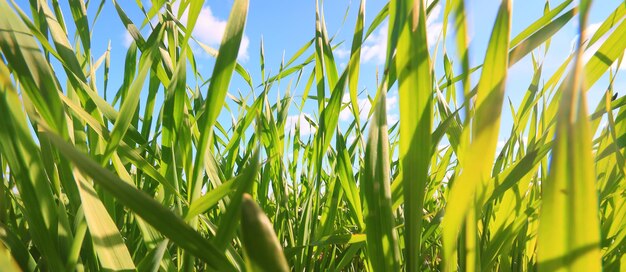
(156, 180)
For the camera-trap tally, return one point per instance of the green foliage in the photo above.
(169, 184)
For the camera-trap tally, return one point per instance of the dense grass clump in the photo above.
(154, 178)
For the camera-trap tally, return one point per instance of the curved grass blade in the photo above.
(382, 246)
(23, 157)
(263, 250)
(569, 234)
(415, 92)
(18, 251)
(229, 220)
(347, 181)
(147, 208)
(131, 101)
(7, 261)
(477, 157)
(222, 73)
(112, 252)
(355, 60)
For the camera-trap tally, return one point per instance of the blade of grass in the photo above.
(415, 92)
(7, 261)
(222, 73)
(146, 207)
(476, 159)
(131, 101)
(112, 252)
(263, 250)
(382, 246)
(568, 234)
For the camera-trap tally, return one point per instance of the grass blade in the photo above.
(147, 208)
(569, 235)
(112, 252)
(382, 246)
(262, 247)
(476, 159)
(415, 92)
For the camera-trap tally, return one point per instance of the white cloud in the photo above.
(589, 52)
(392, 118)
(375, 47)
(350, 139)
(434, 25)
(341, 52)
(209, 30)
(345, 98)
(305, 127)
(365, 106)
(392, 101)
(128, 39)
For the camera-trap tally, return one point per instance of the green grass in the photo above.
(165, 185)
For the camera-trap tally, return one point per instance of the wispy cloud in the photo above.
(341, 52)
(209, 29)
(365, 106)
(305, 127)
(127, 40)
(375, 47)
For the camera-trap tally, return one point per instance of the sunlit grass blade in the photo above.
(137, 150)
(7, 261)
(355, 60)
(112, 252)
(457, 7)
(131, 101)
(568, 234)
(608, 53)
(348, 183)
(147, 208)
(477, 155)
(17, 249)
(24, 158)
(539, 37)
(382, 245)
(229, 221)
(32, 69)
(415, 92)
(542, 22)
(222, 73)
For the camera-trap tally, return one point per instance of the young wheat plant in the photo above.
(151, 176)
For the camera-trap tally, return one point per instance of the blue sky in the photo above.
(286, 25)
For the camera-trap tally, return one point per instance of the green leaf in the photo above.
(222, 73)
(263, 250)
(147, 208)
(382, 245)
(112, 252)
(415, 91)
(569, 234)
(131, 101)
(477, 156)
(7, 261)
